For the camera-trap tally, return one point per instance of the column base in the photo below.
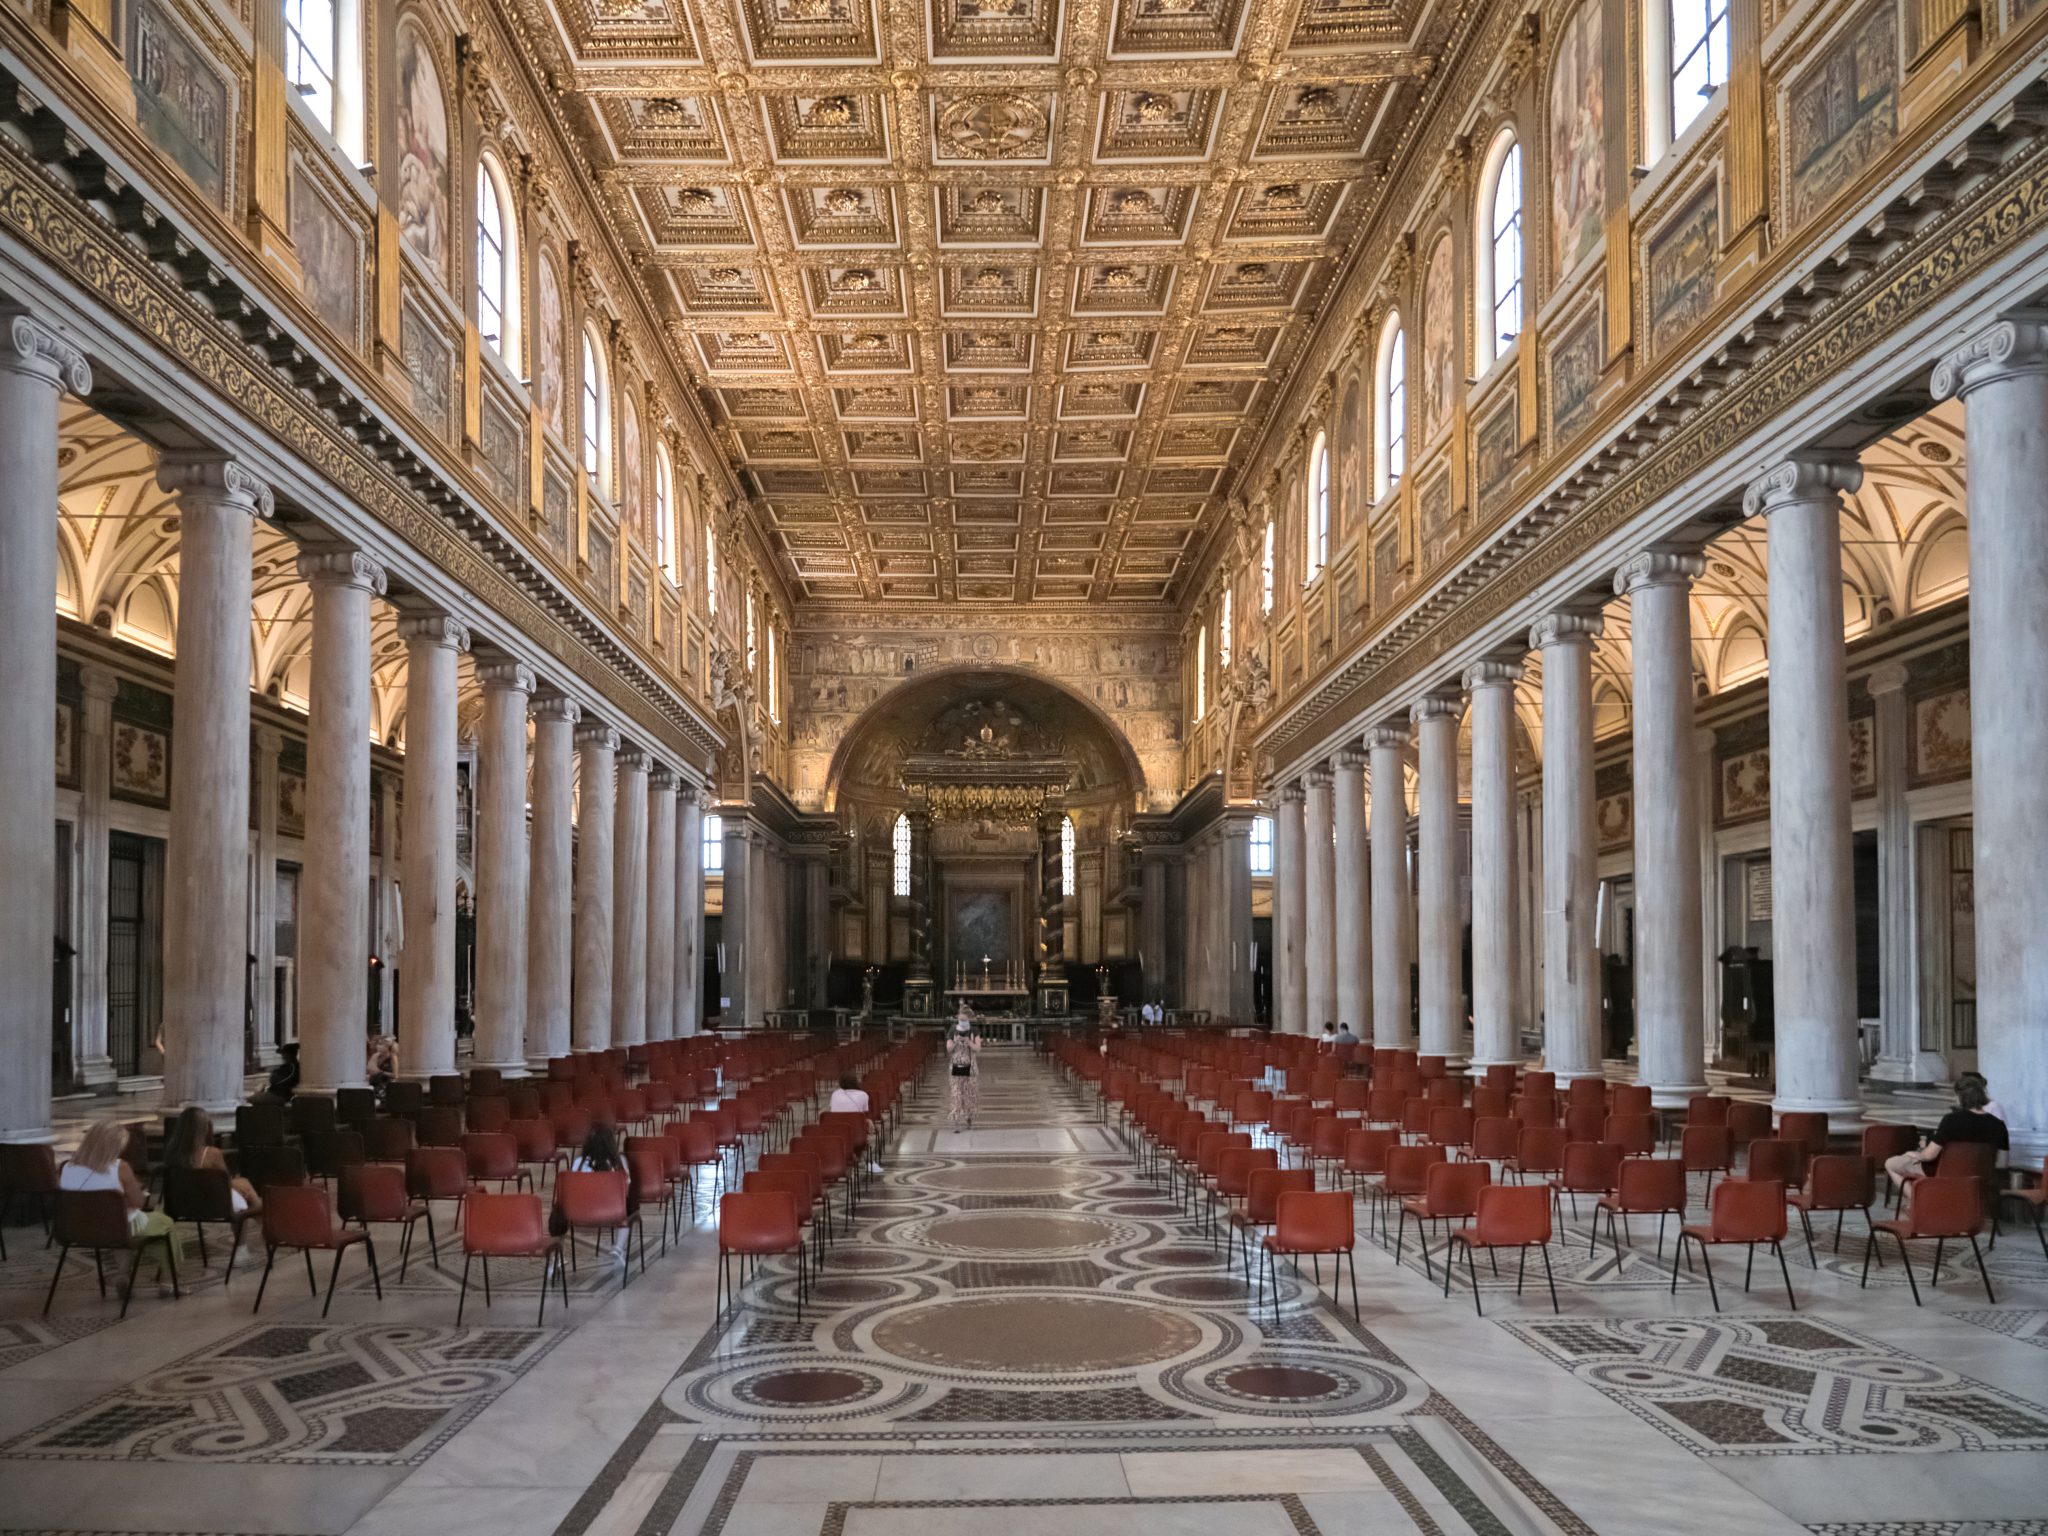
(1477, 1066)
(1573, 1074)
(1675, 1095)
(1918, 1069)
(333, 1088)
(96, 1075)
(516, 1067)
(2029, 1146)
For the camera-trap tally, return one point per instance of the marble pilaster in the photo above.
(661, 905)
(1290, 970)
(92, 1061)
(689, 926)
(268, 744)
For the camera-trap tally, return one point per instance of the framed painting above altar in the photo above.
(984, 916)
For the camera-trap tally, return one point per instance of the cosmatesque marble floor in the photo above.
(1022, 1332)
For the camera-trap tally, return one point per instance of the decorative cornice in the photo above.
(1568, 627)
(441, 631)
(1802, 477)
(1494, 673)
(37, 352)
(214, 477)
(504, 672)
(1658, 568)
(2006, 349)
(341, 568)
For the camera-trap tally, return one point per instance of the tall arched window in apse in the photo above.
(900, 842)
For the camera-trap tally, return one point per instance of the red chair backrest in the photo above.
(1408, 1168)
(1314, 1221)
(490, 1154)
(488, 1114)
(1365, 1149)
(1267, 1185)
(1967, 1160)
(1651, 1184)
(592, 1199)
(1540, 1149)
(1234, 1168)
(1707, 1146)
(373, 1192)
(434, 1173)
(1706, 1109)
(1635, 1134)
(1450, 1125)
(504, 1224)
(1838, 1182)
(1784, 1161)
(92, 1218)
(698, 1140)
(440, 1125)
(1947, 1207)
(1489, 1102)
(535, 1139)
(1512, 1214)
(298, 1216)
(388, 1141)
(1585, 1122)
(1749, 1211)
(787, 1181)
(1807, 1125)
(1629, 1099)
(1495, 1137)
(1452, 1189)
(1589, 1166)
(758, 1221)
(1749, 1120)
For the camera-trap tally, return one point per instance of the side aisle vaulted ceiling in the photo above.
(991, 299)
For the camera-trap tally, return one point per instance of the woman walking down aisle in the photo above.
(965, 1073)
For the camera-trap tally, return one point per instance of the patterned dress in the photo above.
(960, 1051)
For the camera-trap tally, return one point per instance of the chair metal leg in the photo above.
(56, 1275)
(134, 1265)
(462, 1299)
(1779, 1250)
(1354, 1280)
(487, 1279)
(1806, 1222)
(1707, 1264)
(1982, 1272)
(333, 1275)
(370, 1253)
(269, 1260)
(1552, 1279)
(1906, 1259)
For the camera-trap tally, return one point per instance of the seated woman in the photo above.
(1970, 1121)
(98, 1165)
(190, 1145)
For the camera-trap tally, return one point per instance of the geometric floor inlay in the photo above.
(2029, 1327)
(23, 1338)
(299, 1393)
(1784, 1386)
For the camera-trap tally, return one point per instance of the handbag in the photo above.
(963, 1069)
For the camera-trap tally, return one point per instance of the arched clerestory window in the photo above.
(1390, 420)
(497, 262)
(1497, 252)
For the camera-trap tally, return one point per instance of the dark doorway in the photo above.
(135, 952)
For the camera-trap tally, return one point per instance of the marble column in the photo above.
(334, 884)
(689, 926)
(661, 905)
(1709, 978)
(426, 962)
(206, 864)
(269, 744)
(1440, 930)
(1571, 850)
(1670, 1027)
(1899, 1057)
(597, 744)
(1353, 906)
(629, 901)
(734, 910)
(92, 1062)
(1393, 918)
(35, 365)
(1496, 1039)
(502, 866)
(1153, 920)
(1813, 928)
(1319, 936)
(1234, 888)
(2002, 375)
(1290, 883)
(550, 955)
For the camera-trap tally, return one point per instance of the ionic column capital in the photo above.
(1566, 628)
(214, 478)
(506, 673)
(1808, 476)
(1291, 793)
(633, 760)
(1436, 706)
(341, 568)
(439, 630)
(1318, 777)
(1390, 736)
(1352, 758)
(1886, 677)
(2006, 349)
(35, 351)
(1492, 674)
(269, 740)
(557, 706)
(99, 683)
(596, 734)
(705, 801)
(662, 779)
(1658, 568)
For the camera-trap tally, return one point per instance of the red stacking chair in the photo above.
(388, 1140)
(1835, 1182)
(1508, 1216)
(494, 1155)
(1807, 1125)
(1747, 1211)
(488, 1114)
(202, 1195)
(755, 1226)
(302, 1216)
(1312, 1222)
(1538, 1150)
(1942, 1208)
(375, 1192)
(1590, 1168)
(1450, 1192)
(510, 1227)
(98, 1219)
(599, 1202)
(1784, 1161)
(1407, 1176)
(1708, 1149)
(1262, 1204)
(538, 1150)
(1645, 1186)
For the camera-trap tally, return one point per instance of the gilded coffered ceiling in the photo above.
(990, 296)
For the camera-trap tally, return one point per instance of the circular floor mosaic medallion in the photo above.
(805, 1388)
(1019, 1232)
(1008, 1179)
(1211, 1288)
(1036, 1334)
(1285, 1383)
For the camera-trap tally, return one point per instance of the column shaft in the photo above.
(1571, 879)
(689, 928)
(2003, 376)
(206, 865)
(661, 905)
(1393, 917)
(1290, 882)
(596, 799)
(1440, 928)
(550, 922)
(501, 867)
(426, 964)
(735, 941)
(1353, 907)
(1813, 931)
(1670, 1027)
(1319, 938)
(334, 885)
(92, 1062)
(268, 743)
(1495, 1030)
(35, 363)
(629, 903)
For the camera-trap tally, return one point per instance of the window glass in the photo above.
(1262, 845)
(309, 38)
(1266, 572)
(900, 883)
(490, 261)
(1507, 252)
(714, 845)
(1397, 410)
(1699, 57)
(593, 409)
